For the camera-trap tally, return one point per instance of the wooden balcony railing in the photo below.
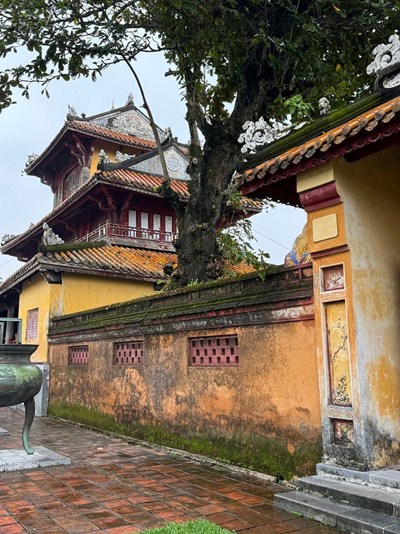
(110, 229)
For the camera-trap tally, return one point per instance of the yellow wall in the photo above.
(370, 189)
(80, 292)
(110, 149)
(37, 293)
(356, 242)
(76, 293)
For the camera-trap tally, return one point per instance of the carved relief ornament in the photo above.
(260, 133)
(386, 65)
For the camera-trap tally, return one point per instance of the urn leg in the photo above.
(29, 415)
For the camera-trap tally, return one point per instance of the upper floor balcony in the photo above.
(131, 236)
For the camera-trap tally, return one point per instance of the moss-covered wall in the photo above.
(263, 413)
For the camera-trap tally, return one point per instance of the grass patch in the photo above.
(192, 527)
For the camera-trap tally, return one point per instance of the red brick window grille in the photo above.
(32, 324)
(216, 351)
(128, 353)
(78, 355)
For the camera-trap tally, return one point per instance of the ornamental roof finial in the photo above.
(49, 237)
(71, 111)
(386, 65)
(129, 101)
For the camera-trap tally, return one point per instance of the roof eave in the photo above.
(318, 127)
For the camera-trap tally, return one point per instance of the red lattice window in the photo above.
(78, 355)
(214, 351)
(128, 353)
(32, 324)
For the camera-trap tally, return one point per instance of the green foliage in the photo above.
(235, 241)
(218, 48)
(297, 108)
(235, 244)
(270, 58)
(201, 526)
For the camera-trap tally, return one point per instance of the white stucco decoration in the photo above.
(261, 133)
(49, 237)
(31, 158)
(103, 157)
(324, 106)
(386, 55)
(386, 65)
(176, 164)
(121, 156)
(391, 81)
(130, 121)
(72, 111)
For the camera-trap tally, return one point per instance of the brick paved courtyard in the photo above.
(116, 487)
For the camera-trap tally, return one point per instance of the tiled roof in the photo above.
(106, 260)
(149, 183)
(101, 132)
(365, 122)
(110, 134)
(142, 181)
(112, 259)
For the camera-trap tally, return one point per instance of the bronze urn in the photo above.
(20, 381)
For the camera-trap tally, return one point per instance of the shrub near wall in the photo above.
(225, 369)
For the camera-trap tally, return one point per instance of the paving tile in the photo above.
(75, 524)
(113, 487)
(13, 529)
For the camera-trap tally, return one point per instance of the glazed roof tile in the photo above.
(104, 260)
(143, 181)
(112, 259)
(149, 183)
(110, 134)
(365, 122)
(94, 130)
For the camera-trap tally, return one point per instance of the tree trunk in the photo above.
(199, 257)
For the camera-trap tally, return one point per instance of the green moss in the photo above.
(256, 452)
(270, 270)
(73, 246)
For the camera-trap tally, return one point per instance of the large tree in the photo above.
(264, 57)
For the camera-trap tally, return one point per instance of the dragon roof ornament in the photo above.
(49, 237)
(386, 65)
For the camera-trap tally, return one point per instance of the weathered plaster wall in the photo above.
(83, 292)
(271, 395)
(37, 293)
(370, 189)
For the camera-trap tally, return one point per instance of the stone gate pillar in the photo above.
(342, 428)
(353, 223)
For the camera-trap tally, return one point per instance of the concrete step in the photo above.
(345, 517)
(385, 478)
(343, 492)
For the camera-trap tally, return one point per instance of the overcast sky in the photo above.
(30, 125)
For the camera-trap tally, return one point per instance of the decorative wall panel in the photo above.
(214, 351)
(128, 353)
(78, 355)
(338, 353)
(343, 431)
(333, 278)
(32, 324)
